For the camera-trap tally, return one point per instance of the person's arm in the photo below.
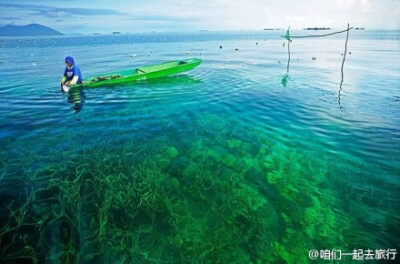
(74, 80)
(63, 80)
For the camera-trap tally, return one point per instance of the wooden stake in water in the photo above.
(288, 50)
(344, 58)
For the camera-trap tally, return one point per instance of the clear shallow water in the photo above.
(234, 162)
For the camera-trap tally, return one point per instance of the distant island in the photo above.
(28, 30)
(317, 28)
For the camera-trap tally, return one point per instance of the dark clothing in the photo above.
(70, 73)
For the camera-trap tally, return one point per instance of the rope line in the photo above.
(318, 36)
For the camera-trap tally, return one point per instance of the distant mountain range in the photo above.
(28, 30)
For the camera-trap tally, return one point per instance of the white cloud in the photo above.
(259, 14)
(58, 14)
(345, 4)
(366, 5)
(397, 9)
(270, 18)
(175, 15)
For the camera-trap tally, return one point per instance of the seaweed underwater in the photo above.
(213, 197)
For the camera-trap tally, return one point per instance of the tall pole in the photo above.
(344, 58)
(288, 50)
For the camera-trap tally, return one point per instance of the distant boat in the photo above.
(359, 28)
(116, 33)
(317, 28)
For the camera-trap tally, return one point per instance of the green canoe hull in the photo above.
(142, 73)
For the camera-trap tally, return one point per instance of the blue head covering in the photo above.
(69, 59)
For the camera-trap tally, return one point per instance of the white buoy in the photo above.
(34, 64)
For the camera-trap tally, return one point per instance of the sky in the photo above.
(105, 16)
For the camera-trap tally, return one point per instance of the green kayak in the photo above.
(142, 73)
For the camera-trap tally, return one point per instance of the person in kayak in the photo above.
(72, 73)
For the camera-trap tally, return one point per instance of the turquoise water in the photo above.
(237, 161)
